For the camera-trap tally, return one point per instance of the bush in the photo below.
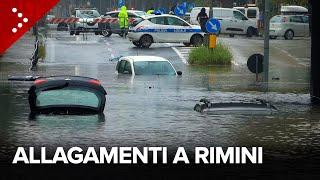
(221, 55)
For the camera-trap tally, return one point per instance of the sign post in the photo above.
(255, 64)
(266, 43)
(121, 3)
(213, 26)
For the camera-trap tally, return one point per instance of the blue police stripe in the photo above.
(170, 30)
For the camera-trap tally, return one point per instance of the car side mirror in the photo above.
(179, 73)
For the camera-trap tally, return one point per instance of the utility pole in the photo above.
(266, 43)
(211, 9)
(315, 63)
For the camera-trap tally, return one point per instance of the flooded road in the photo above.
(158, 111)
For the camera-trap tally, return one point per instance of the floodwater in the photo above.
(158, 111)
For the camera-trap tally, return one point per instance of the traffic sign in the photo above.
(213, 26)
(191, 6)
(121, 3)
(180, 10)
(185, 4)
(255, 63)
(162, 10)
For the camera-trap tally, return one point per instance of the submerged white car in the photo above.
(164, 29)
(289, 26)
(146, 65)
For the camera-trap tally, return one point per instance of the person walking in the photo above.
(123, 21)
(202, 18)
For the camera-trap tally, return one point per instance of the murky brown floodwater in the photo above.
(158, 111)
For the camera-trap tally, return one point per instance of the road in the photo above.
(289, 60)
(158, 111)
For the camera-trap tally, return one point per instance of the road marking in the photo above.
(184, 60)
(112, 55)
(235, 63)
(296, 58)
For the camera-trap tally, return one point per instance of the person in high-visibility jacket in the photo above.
(150, 11)
(123, 19)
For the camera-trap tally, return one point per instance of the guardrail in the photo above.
(97, 20)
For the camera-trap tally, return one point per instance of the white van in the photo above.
(251, 12)
(232, 21)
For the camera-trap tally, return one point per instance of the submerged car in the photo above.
(146, 65)
(67, 95)
(258, 106)
(73, 95)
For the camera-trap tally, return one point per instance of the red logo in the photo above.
(18, 16)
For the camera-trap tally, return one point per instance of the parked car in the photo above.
(232, 21)
(107, 29)
(293, 10)
(165, 29)
(289, 26)
(86, 23)
(146, 65)
(62, 27)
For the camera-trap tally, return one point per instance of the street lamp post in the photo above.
(266, 43)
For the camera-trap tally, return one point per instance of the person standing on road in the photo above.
(123, 20)
(202, 18)
(261, 21)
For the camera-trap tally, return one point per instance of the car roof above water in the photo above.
(57, 81)
(70, 78)
(144, 58)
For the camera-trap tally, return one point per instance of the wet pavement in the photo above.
(158, 111)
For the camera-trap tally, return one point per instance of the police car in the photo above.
(164, 29)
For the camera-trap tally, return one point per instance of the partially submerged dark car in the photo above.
(65, 95)
(259, 106)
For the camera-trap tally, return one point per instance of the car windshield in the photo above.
(67, 97)
(276, 19)
(242, 10)
(89, 14)
(153, 68)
